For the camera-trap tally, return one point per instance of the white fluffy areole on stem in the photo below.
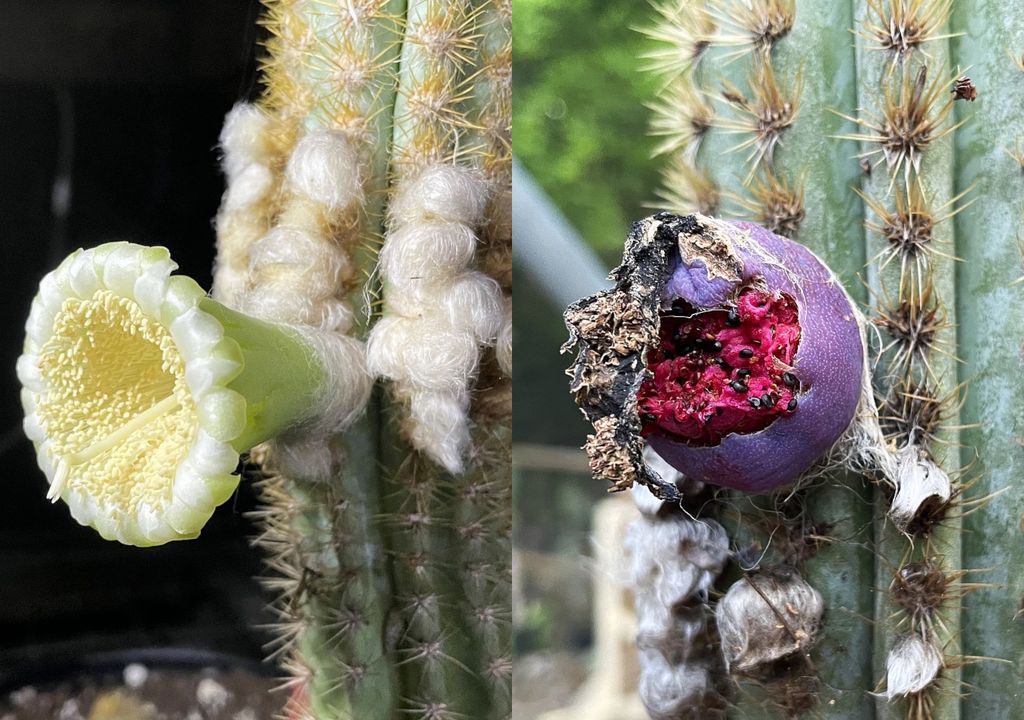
(439, 313)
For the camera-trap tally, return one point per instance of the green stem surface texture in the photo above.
(832, 62)
(990, 307)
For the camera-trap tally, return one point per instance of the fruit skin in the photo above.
(829, 364)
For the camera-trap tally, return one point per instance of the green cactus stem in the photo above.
(990, 325)
(851, 128)
(389, 571)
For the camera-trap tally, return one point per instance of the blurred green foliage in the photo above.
(581, 131)
(579, 114)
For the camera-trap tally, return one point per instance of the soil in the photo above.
(141, 693)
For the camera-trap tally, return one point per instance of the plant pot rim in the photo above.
(61, 667)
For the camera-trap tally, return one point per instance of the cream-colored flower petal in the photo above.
(27, 370)
(149, 293)
(44, 459)
(218, 367)
(221, 412)
(185, 519)
(121, 269)
(198, 490)
(51, 294)
(181, 295)
(33, 428)
(82, 507)
(82, 273)
(211, 456)
(105, 523)
(195, 333)
(38, 327)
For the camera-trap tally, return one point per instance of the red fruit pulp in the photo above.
(722, 371)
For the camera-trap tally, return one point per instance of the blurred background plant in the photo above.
(579, 104)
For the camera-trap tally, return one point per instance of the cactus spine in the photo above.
(389, 574)
(864, 148)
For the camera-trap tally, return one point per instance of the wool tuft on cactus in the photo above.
(852, 129)
(364, 236)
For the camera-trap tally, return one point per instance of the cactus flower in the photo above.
(746, 356)
(140, 392)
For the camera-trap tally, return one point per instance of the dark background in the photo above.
(117, 104)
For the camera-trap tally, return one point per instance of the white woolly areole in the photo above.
(135, 442)
(759, 625)
(918, 480)
(324, 168)
(296, 272)
(248, 187)
(441, 192)
(438, 420)
(420, 253)
(347, 387)
(301, 259)
(474, 303)
(911, 666)
(438, 312)
(425, 355)
(245, 138)
(673, 564)
(503, 347)
(244, 212)
(668, 689)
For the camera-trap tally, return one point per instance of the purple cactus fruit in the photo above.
(750, 368)
(776, 379)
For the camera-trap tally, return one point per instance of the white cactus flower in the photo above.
(140, 392)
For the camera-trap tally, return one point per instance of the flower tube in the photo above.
(140, 392)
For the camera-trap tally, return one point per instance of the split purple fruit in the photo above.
(734, 352)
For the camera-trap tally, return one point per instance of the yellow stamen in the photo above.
(118, 412)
